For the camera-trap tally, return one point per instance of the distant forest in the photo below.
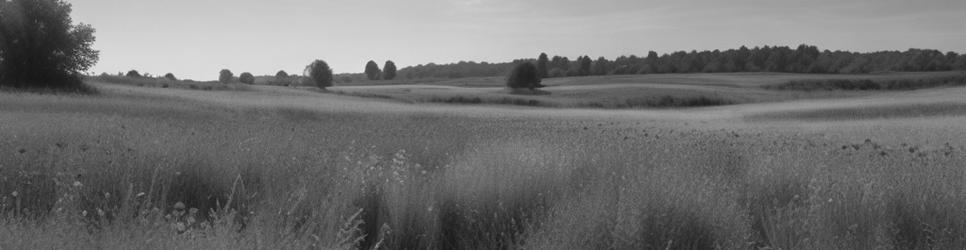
(804, 59)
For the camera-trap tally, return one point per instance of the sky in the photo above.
(194, 39)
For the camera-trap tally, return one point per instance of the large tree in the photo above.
(389, 70)
(225, 76)
(246, 78)
(40, 46)
(320, 73)
(372, 70)
(542, 62)
(524, 75)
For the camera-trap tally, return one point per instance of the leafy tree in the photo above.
(372, 70)
(225, 76)
(170, 76)
(246, 78)
(601, 66)
(585, 66)
(389, 71)
(542, 62)
(281, 74)
(524, 75)
(319, 73)
(39, 45)
(133, 73)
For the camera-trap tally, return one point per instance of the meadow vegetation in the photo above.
(110, 172)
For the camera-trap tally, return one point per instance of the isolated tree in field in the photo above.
(372, 70)
(246, 78)
(39, 45)
(524, 75)
(225, 76)
(319, 73)
(133, 73)
(542, 62)
(170, 76)
(389, 70)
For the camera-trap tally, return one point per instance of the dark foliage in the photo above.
(802, 59)
(170, 76)
(372, 70)
(246, 78)
(459, 70)
(585, 65)
(542, 62)
(525, 75)
(320, 73)
(389, 71)
(281, 74)
(870, 84)
(40, 47)
(225, 76)
(601, 67)
(133, 73)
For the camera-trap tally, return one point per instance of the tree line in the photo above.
(803, 59)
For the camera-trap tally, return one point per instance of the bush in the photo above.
(133, 73)
(525, 75)
(39, 47)
(246, 78)
(170, 76)
(319, 73)
(225, 76)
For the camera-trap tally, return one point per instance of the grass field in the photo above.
(280, 167)
(647, 91)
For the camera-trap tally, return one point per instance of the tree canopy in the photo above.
(372, 70)
(225, 76)
(41, 47)
(389, 70)
(320, 73)
(524, 75)
(246, 78)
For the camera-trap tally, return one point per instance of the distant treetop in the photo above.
(801, 59)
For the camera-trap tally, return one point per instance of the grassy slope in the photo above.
(622, 91)
(448, 176)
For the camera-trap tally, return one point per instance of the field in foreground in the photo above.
(284, 168)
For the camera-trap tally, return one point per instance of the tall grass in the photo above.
(274, 179)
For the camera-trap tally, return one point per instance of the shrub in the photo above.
(170, 76)
(319, 73)
(372, 70)
(389, 71)
(246, 78)
(39, 47)
(133, 73)
(524, 75)
(225, 76)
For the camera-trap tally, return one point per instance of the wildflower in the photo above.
(14, 194)
(78, 184)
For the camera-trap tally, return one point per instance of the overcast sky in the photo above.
(196, 38)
